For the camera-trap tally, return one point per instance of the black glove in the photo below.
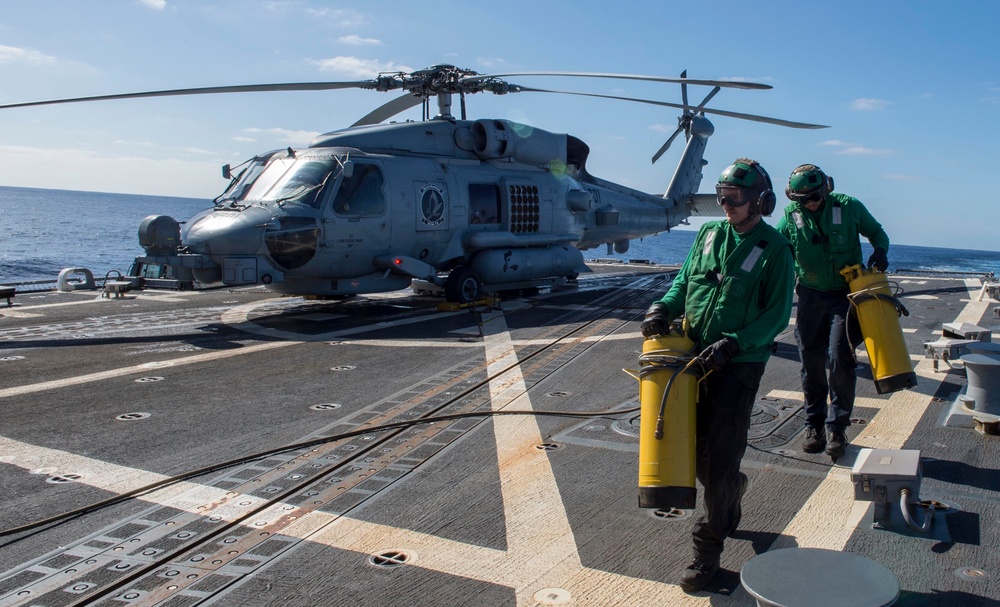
(656, 322)
(715, 356)
(879, 259)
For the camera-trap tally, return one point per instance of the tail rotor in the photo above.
(684, 122)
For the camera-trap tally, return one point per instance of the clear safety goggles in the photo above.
(734, 197)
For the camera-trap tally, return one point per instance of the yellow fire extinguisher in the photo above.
(878, 312)
(668, 393)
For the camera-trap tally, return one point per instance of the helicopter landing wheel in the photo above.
(462, 286)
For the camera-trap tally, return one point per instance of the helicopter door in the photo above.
(360, 228)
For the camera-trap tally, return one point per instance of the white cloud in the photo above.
(92, 171)
(355, 67)
(490, 61)
(662, 128)
(147, 144)
(344, 18)
(860, 150)
(356, 40)
(865, 104)
(244, 139)
(854, 149)
(13, 54)
(279, 5)
(156, 4)
(286, 136)
(198, 151)
(762, 79)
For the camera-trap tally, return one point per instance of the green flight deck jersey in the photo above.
(735, 285)
(827, 240)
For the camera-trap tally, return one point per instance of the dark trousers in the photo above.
(723, 420)
(821, 332)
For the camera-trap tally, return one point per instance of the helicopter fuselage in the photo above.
(368, 209)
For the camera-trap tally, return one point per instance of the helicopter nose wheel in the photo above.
(462, 286)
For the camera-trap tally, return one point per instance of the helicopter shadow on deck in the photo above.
(417, 317)
(209, 337)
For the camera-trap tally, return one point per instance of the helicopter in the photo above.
(468, 206)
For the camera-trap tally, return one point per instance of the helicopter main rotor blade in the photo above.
(723, 83)
(388, 110)
(208, 90)
(753, 117)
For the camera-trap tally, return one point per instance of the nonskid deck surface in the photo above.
(100, 397)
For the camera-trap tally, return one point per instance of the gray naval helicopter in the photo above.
(467, 205)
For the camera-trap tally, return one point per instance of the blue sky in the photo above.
(910, 89)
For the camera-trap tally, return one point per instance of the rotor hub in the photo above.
(442, 80)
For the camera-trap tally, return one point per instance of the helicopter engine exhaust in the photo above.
(493, 139)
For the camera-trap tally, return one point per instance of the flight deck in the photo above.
(234, 447)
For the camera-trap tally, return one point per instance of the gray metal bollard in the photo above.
(983, 370)
(65, 283)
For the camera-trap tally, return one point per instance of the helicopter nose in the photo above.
(227, 232)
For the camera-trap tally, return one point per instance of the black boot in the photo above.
(814, 441)
(838, 444)
(699, 574)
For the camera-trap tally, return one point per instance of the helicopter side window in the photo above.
(484, 203)
(361, 194)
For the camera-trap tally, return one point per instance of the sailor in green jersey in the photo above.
(735, 288)
(824, 227)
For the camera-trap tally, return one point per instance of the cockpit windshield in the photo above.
(239, 185)
(284, 179)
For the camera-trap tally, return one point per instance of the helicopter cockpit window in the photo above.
(239, 186)
(275, 170)
(484, 203)
(361, 194)
(303, 181)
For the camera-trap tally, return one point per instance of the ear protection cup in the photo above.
(767, 202)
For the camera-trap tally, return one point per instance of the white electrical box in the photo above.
(880, 474)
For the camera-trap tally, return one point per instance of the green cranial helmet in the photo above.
(748, 175)
(806, 181)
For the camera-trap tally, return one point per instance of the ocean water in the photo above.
(45, 231)
(672, 248)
